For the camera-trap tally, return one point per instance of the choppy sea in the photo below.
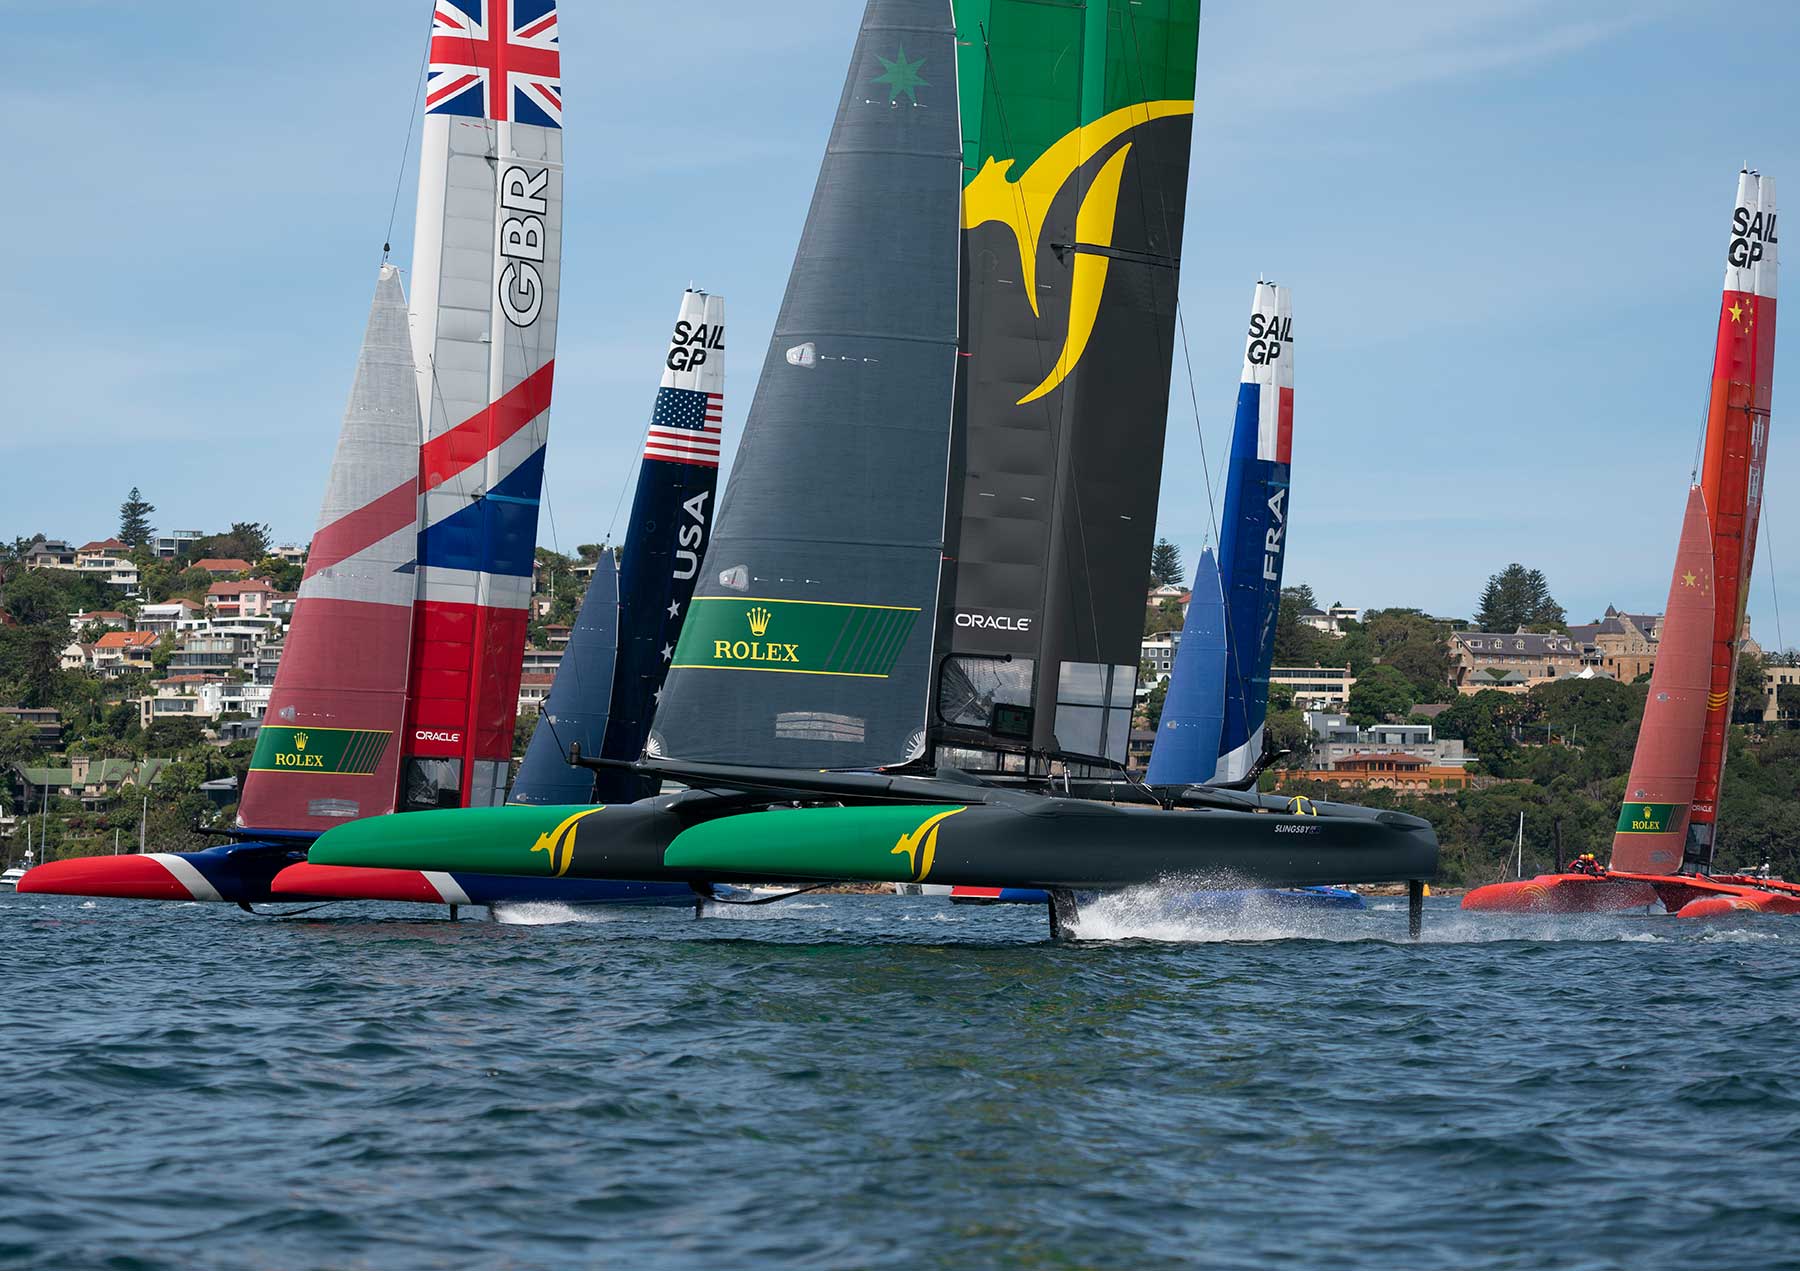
(851, 1081)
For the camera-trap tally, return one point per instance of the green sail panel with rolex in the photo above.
(934, 533)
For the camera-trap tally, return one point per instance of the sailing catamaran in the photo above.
(1665, 844)
(399, 680)
(911, 656)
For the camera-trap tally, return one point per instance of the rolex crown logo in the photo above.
(299, 741)
(759, 620)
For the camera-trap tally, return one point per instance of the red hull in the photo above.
(345, 882)
(1682, 894)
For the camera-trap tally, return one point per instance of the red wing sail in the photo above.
(329, 748)
(1654, 819)
(1737, 440)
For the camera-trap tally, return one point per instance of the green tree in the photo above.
(33, 598)
(1516, 598)
(1297, 644)
(1380, 692)
(1166, 568)
(134, 519)
(1153, 704)
(1287, 730)
(1750, 691)
(1164, 615)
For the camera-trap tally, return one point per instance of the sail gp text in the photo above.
(522, 243)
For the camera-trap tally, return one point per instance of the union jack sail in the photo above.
(508, 66)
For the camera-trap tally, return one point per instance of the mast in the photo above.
(803, 645)
(671, 515)
(1186, 751)
(1076, 122)
(1731, 474)
(1653, 822)
(1253, 529)
(486, 254)
(327, 749)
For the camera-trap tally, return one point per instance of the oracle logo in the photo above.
(423, 735)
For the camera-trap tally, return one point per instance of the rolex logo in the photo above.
(299, 741)
(759, 620)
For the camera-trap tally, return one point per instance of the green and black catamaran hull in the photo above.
(876, 828)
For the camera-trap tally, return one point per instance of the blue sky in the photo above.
(1503, 220)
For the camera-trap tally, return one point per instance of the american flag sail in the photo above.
(486, 254)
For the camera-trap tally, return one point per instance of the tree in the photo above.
(1153, 704)
(1750, 691)
(1166, 568)
(134, 519)
(1297, 644)
(1519, 598)
(1164, 615)
(1381, 692)
(33, 599)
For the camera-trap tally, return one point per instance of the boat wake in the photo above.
(546, 913)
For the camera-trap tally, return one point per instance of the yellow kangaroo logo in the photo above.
(1023, 204)
(560, 842)
(920, 847)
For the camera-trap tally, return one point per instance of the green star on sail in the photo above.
(901, 76)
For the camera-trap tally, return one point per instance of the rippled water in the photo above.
(871, 1082)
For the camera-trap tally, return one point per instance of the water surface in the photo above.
(873, 1082)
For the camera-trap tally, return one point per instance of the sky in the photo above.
(1503, 221)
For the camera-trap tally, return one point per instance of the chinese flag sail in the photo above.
(1731, 474)
(486, 251)
(1653, 822)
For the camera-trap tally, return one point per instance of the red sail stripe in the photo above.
(467, 444)
(368, 524)
(1284, 426)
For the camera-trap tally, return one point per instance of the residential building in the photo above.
(251, 598)
(1621, 644)
(222, 566)
(245, 697)
(1782, 702)
(543, 661)
(77, 656)
(166, 616)
(1510, 662)
(289, 553)
(1331, 621)
(49, 553)
(1386, 770)
(1138, 747)
(213, 653)
(109, 560)
(1159, 651)
(111, 618)
(268, 661)
(45, 722)
(183, 697)
(556, 635)
(534, 689)
(174, 543)
(117, 652)
(1337, 740)
(1315, 687)
(94, 781)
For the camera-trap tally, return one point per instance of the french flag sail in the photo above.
(1731, 473)
(1186, 750)
(486, 256)
(1253, 531)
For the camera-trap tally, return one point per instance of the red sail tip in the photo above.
(119, 877)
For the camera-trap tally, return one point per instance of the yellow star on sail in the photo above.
(1688, 579)
(1737, 312)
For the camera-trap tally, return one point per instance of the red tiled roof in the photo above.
(236, 589)
(539, 678)
(222, 565)
(127, 640)
(103, 545)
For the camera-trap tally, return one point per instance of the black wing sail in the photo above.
(808, 639)
(1078, 120)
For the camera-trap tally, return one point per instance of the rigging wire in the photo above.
(412, 113)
